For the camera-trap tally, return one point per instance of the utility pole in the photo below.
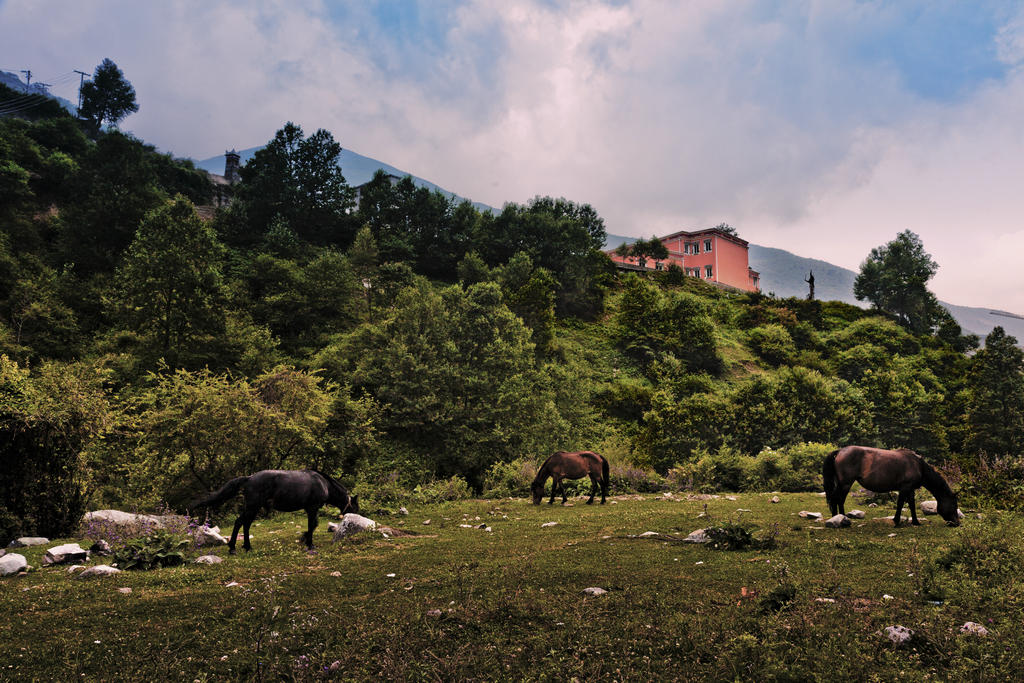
(28, 77)
(81, 82)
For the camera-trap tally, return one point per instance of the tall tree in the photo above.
(894, 279)
(995, 410)
(298, 179)
(170, 282)
(108, 97)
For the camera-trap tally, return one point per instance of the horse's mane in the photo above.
(933, 481)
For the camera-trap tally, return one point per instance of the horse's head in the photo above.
(947, 509)
(537, 488)
(353, 504)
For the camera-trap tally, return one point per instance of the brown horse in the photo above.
(880, 470)
(576, 465)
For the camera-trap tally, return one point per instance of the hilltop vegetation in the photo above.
(414, 344)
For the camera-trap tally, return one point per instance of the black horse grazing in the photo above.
(881, 470)
(284, 490)
(564, 465)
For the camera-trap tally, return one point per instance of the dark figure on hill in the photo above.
(284, 490)
(564, 465)
(880, 470)
(810, 284)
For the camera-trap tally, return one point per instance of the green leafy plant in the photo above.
(159, 549)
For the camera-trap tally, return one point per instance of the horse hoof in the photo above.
(232, 551)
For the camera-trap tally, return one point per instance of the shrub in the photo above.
(722, 470)
(772, 343)
(792, 468)
(442, 490)
(506, 479)
(161, 548)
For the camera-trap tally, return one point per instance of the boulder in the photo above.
(898, 635)
(130, 519)
(775, 499)
(698, 536)
(402, 511)
(352, 523)
(69, 552)
(855, 514)
(209, 559)
(971, 628)
(929, 507)
(26, 541)
(209, 536)
(549, 524)
(99, 570)
(809, 515)
(837, 521)
(12, 563)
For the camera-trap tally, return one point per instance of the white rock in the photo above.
(119, 518)
(775, 499)
(809, 515)
(886, 596)
(929, 507)
(826, 600)
(75, 568)
(730, 497)
(855, 514)
(402, 511)
(648, 534)
(898, 634)
(12, 563)
(837, 521)
(69, 552)
(549, 524)
(211, 536)
(126, 590)
(973, 629)
(352, 523)
(426, 522)
(698, 536)
(26, 541)
(99, 570)
(433, 612)
(209, 559)
(594, 590)
(232, 584)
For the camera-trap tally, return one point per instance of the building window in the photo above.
(707, 247)
(707, 272)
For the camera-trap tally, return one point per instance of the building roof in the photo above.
(707, 231)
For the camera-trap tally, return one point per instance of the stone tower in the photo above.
(231, 165)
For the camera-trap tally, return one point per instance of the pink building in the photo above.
(713, 255)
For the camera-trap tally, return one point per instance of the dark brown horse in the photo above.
(576, 465)
(881, 470)
(284, 490)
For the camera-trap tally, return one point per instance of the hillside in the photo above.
(358, 169)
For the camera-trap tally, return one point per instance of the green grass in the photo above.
(512, 608)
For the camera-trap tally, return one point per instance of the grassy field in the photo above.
(457, 603)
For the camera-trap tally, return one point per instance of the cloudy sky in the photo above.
(820, 127)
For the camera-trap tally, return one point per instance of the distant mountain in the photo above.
(14, 82)
(356, 168)
(783, 274)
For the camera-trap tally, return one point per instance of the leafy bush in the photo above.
(506, 479)
(738, 536)
(722, 470)
(773, 343)
(161, 548)
(996, 481)
(792, 468)
(442, 490)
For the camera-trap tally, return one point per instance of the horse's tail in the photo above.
(604, 476)
(227, 491)
(828, 474)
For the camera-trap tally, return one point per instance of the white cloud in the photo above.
(661, 115)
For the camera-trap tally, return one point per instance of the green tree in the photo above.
(48, 418)
(298, 179)
(642, 250)
(995, 410)
(108, 97)
(169, 286)
(894, 279)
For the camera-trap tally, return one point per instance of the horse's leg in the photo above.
(913, 508)
(311, 516)
(562, 485)
(593, 488)
(900, 499)
(839, 499)
(554, 488)
(234, 535)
